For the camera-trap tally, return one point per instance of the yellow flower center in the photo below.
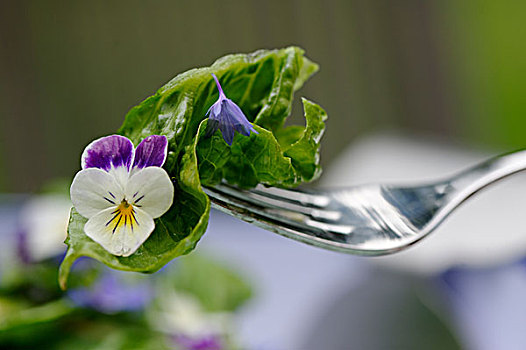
(124, 215)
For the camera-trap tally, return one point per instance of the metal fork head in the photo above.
(364, 220)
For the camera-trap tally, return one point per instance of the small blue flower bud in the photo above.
(226, 116)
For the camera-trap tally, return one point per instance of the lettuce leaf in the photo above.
(263, 158)
(263, 85)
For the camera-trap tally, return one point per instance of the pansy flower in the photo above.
(226, 116)
(120, 190)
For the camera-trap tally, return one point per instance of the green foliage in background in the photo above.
(488, 60)
(217, 287)
(35, 313)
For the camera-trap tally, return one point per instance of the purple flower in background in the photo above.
(226, 116)
(111, 293)
(181, 316)
(121, 190)
(204, 343)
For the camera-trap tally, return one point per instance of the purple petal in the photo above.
(234, 110)
(215, 109)
(240, 121)
(228, 132)
(211, 127)
(151, 152)
(107, 152)
(242, 129)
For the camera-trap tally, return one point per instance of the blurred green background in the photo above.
(70, 70)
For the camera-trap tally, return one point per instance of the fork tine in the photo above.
(283, 221)
(296, 197)
(228, 198)
(281, 201)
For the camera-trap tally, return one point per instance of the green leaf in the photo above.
(285, 161)
(262, 84)
(48, 326)
(304, 153)
(249, 161)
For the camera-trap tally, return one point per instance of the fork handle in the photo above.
(487, 172)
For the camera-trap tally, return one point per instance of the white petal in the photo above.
(93, 190)
(151, 190)
(118, 236)
(121, 174)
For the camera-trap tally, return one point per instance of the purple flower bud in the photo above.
(226, 116)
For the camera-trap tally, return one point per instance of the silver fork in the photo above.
(365, 220)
